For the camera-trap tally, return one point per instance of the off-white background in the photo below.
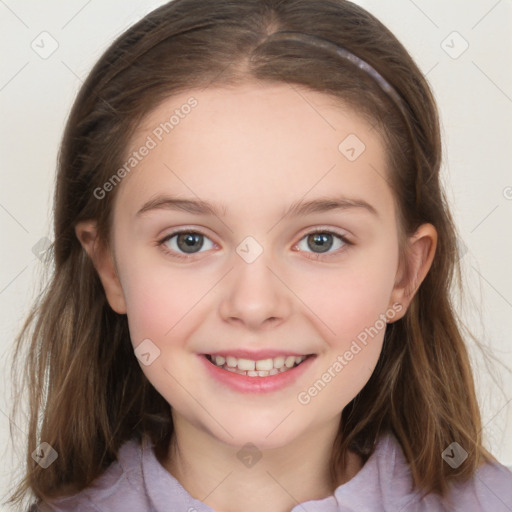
(474, 92)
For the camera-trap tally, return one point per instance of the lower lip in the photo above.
(246, 384)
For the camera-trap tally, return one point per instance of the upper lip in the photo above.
(256, 355)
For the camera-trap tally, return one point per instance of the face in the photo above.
(250, 284)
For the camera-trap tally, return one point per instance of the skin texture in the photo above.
(256, 150)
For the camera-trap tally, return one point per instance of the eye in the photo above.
(323, 240)
(184, 243)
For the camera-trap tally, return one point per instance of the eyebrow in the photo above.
(299, 208)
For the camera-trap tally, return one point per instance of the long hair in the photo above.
(86, 391)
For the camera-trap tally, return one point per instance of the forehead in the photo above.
(237, 145)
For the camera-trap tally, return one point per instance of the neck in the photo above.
(229, 479)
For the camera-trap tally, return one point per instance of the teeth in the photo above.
(290, 361)
(260, 368)
(231, 361)
(246, 364)
(279, 362)
(263, 364)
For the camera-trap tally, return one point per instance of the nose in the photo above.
(255, 295)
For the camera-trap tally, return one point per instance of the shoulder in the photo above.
(386, 478)
(490, 490)
(135, 482)
(121, 483)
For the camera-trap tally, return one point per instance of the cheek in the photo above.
(354, 296)
(158, 297)
(352, 324)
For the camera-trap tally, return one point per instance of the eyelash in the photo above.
(316, 256)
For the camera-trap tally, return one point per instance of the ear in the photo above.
(103, 262)
(419, 255)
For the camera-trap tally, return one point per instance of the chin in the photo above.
(264, 434)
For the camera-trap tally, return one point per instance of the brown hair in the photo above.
(88, 396)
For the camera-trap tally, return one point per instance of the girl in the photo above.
(250, 304)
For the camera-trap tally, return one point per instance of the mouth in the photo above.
(257, 368)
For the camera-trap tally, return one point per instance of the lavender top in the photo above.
(137, 482)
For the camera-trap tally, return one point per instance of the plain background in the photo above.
(464, 49)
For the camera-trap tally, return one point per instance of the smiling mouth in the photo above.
(260, 368)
